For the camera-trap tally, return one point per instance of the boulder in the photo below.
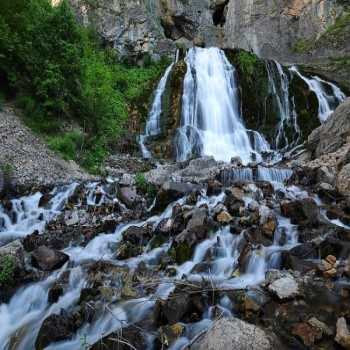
(343, 181)
(172, 191)
(14, 251)
(234, 334)
(302, 212)
(285, 288)
(224, 217)
(48, 259)
(332, 134)
(343, 334)
(54, 328)
(124, 339)
(129, 197)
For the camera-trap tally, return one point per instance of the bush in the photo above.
(7, 270)
(144, 186)
(60, 73)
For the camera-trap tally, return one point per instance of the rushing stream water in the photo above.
(211, 125)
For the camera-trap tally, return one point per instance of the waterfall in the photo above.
(326, 102)
(153, 127)
(211, 124)
(279, 87)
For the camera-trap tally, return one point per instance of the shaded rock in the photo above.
(172, 191)
(307, 333)
(301, 212)
(269, 226)
(125, 339)
(48, 259)
(284, 288)
(343, 181)
(224, 217)
(129, 197)
(296, 258)
(233, 334)
(332, 134)
(343, 334)
(214, 188)
(54, 328)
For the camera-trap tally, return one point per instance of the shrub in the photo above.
(7, 270)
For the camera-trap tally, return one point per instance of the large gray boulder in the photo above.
(331, 135)
(234, 334)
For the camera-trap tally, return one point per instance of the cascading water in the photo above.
(279, 88)
(326, 102)
(153, 126)
(211, 124)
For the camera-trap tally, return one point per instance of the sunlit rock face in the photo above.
(272, 28)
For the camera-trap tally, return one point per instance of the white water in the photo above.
(26, 216)
(153, 125)
(279, 87)
(211, 124)
(326, 103)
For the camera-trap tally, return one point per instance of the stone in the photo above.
(129, 197)
(54, 328)
(307, 333)
(343, 335)
(48, 259)
(343, 181)
(332, 134)
(269, 226)
(331, 259)
(130, 338)
(284, 288)
(317, 324)
(14, 250)
(301, 212)
(224, 217)
(233, 334)
(172, 191)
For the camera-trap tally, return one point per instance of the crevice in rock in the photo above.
(219, 15)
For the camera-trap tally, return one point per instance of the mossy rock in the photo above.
(181, 252)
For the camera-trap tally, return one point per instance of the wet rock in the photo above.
(328, 266)
(269, 226)
(184, 304)
(197, 229)
(234, 334)
(137, 235)
(169, 334)
(172, 191)
(301, 212)
(124, 339)
(33, 241)
(343, 181)
(298, 258)
(128, 250)
(129, 197)
(224, 217)
(48, 259)
(234, 200)
(55, 293)
(307, 333)
(284, 288)
(326, 175)
(54, 328)
(343, 334)
(214, 188)
(15, 252)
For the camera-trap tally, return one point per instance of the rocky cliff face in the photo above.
(314, 33)
(155, 27)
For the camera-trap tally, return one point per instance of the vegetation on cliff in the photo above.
(73, 90)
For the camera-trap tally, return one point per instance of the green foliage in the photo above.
(7, 169)
(69, 144)
(303, 46)
(7, 270)
(60, 73)
(144, 186)
(247, 62)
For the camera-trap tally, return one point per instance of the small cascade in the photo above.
(329, 95)
(279, 88)
(211, 124)
(278, 175)
(26, 214)
(153, 124)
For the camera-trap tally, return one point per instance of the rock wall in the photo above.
(315, 33)
(156, 27)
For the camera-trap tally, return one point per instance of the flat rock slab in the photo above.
(284, 288)
(234, 334)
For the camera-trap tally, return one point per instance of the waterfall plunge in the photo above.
(327, 103)
(211, 124)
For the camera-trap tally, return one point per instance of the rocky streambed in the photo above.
(206, 257)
